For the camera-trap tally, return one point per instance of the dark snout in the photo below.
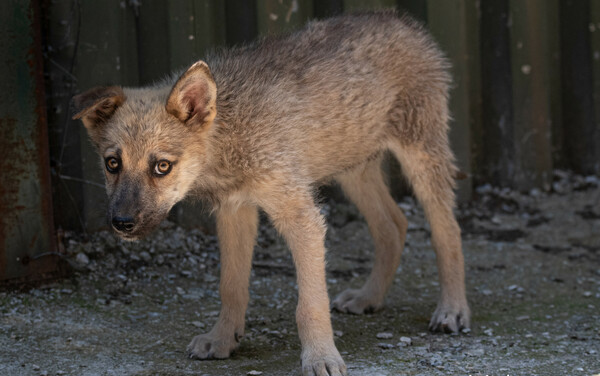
(125, 208)
(133, 210)
(123, 224)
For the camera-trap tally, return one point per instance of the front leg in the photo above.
(236, 228)
(298, 219)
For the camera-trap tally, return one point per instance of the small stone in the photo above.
(488, 332)
(35, 367)
(145, 256)
(522, 318)
(338, 333)
(405, 341)
(587, 294)
(476, 352)
(254, 373)
(180, 291)
(384, 335)
(82, 259)
(486, 292)
(385, 346)
(198, 324)
(466, 331)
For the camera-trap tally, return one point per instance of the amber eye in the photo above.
(162, 168)
(113, 165)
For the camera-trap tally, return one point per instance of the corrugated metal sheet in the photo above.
(26, 227)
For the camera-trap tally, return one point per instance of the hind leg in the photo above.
(430, 170)
(366, 188)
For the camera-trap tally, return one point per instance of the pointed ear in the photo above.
(97, 105)
(193, 99)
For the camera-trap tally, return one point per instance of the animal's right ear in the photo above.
(193, 98)
(96, 106)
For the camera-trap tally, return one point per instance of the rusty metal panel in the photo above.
(26, 228)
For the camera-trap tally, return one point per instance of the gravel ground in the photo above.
(533, 281)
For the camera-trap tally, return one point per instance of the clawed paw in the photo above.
(326, 365)
(356, 302)
(450, 319)
(207, 346)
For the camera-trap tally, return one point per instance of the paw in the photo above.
(449, 319)
(328, 364)
(356, 302)
(210, 346)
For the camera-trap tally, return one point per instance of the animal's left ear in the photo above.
(96, 106)
(193, 99)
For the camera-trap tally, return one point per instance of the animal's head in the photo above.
(151, 143)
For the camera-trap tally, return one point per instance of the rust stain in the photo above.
(42, 125)
(9, 189)
(26, 158)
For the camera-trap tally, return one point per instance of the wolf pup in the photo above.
(261, 126)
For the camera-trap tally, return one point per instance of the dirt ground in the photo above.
(533, 282)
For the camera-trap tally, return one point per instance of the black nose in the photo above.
(123, 224)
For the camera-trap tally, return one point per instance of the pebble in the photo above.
(488, 332)
(145, 256)
(82, 259)
(385, 345)
(516, 288)
(476, 352)
(254, 373)
(198, 324)
(405, 341)
(338, 333)
(384, 335)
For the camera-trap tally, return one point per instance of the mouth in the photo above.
(127, 236)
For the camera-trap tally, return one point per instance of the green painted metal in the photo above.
(558, 155)
(193, 27)
(417, 9)
(26, 227)
(594, 29)
(355, 5)
(498, 157)
(530, 33)
(450, 26)
(278, 16)
(581, 135)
